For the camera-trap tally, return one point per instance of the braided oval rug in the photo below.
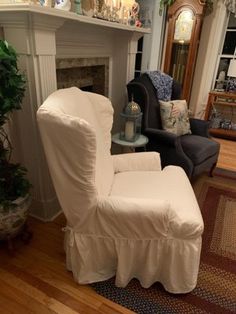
(216, 288)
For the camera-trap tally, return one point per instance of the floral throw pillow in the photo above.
(174, 116)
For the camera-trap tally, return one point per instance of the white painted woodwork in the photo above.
(211, 41)
(153, 43)
(40, 35)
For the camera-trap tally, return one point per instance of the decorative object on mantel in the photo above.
(14, 186)
(231, 6)
(120, 11)
(107, 9)
(63, 4)
(45, 3)
(78, 7)
(88, 7)
(133, 16)
(132, 119)
(145, 15)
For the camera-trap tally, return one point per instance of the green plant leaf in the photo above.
(13, 181)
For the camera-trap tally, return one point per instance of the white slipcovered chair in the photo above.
(125, 216)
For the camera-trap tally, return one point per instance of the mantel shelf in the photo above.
(37, 9)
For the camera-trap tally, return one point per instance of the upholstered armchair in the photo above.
(195, 153)
(126, 217)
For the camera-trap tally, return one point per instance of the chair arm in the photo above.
(163, 136)
(199, 127)
(133, 218)
(138, 218)
(143, 161)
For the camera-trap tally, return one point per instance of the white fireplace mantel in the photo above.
(40, 35)
(52, 12)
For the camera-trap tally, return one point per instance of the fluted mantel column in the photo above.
(33, 37)
(39, 35)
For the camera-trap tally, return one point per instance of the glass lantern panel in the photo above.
(131, 127)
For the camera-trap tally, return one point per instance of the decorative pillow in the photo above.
(174, 116)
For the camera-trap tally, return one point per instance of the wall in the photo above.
(210, 43)
(152, 45)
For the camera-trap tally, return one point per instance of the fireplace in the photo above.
(59, 49)
(89, 74)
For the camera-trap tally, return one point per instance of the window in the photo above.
(138, 60)
(227, 53)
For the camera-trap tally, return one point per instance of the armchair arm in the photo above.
(162, 136)
(143, 161)
(133, 217)
(138, 218)
(170, 147)
(199, 127)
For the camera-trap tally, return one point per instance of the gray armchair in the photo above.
(195, 152)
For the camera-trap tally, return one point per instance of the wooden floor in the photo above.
(227, 158)
(35, 280)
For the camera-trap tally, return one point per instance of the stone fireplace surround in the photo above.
(91, 74)
(43, 36)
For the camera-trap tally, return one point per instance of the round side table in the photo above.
(140, 142)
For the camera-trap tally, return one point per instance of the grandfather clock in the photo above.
(183, 32)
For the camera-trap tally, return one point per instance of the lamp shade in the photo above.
(232, 68)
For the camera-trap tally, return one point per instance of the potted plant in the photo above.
(14, 186)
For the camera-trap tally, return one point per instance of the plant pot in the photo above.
(13, 218)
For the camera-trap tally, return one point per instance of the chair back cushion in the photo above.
(145, 94)
(77, 146)
(174, 116)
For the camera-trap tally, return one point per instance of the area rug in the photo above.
(216, 288)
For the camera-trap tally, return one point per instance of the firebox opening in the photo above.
(88, 74)
(88, 88)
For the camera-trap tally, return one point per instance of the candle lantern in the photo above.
(132, 119)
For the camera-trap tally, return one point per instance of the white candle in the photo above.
(129, 130)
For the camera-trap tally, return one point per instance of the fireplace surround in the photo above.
(44, 38)
(89, 74)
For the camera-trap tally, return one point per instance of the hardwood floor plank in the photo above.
(47, 270)
(52, 293)
(38, 301)
(11, 306)
(18, 298)
(227, 157)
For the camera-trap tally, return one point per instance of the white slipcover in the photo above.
(125, 216)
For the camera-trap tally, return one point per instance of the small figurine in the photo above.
(63, 5)
(78, 7)
(45, 3)
(138, 23)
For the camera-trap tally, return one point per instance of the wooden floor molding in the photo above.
(35, 279)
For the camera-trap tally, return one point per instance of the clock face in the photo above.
(184, 26)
